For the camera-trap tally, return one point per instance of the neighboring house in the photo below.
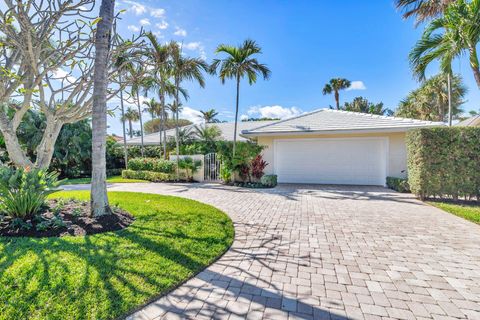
(227, 129)
(470, 122)
(336, 147)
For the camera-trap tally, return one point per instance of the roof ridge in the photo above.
(383, 116)
(284, 120)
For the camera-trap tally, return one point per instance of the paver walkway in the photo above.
(328, 252)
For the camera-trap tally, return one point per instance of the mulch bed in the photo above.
(74, 221)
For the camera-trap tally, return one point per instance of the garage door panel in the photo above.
(331, 161)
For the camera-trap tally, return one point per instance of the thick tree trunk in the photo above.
(47, 146)
(162, 126)
(99, 198)
(141, 123)
(236, 116)
(130, 127)
(125, 151)
(14, 149)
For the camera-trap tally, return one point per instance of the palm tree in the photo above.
(139, 82)
(98, 195)
(239, 63)
(209, 116)
(460, 35)
(160, 56)
(430, 101)
(207, 134)
(152, 107)
(123, 65)
(422, 10)
(335, 85)
(184, 68)
(131, 116)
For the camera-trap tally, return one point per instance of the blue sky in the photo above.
(305, 43)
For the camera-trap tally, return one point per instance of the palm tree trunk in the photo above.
(141, 123)
(98, 197)
(130, 128)
(236, 115)
(337, 99)
(123, 126)
(474, 65)
(177, 137)
(162, 125)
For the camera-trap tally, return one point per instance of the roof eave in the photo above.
(336, 131)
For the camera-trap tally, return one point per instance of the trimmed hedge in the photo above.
(148, 175)
(398, 184)
(444, 162)
(151, 164)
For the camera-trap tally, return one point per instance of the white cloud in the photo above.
(357, 85)
(192, 45)
(144, 22)
(133, 28)
(180, 32)
(162, 25)
(191, 114)
(61, 74)
(136, 7)
(243, 117)
(157, 12)
(273, 112)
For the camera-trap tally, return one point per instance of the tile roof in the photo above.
(226, 128)
(470, 122)
(329, 121)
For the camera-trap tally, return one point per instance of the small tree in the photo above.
(190, 166)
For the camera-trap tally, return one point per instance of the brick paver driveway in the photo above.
(329, 252)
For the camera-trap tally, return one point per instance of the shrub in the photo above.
(148, 175)
(398, 184)
(23, 192)
(257, 166)
(151, 164)
(269, 180)
(225, 174)
(444, 162)
(245, 153)
(190, 166)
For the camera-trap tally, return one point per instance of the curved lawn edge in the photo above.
(112, 275)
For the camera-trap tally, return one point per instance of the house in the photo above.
(226, 128)
(470, 122)
(336, 147)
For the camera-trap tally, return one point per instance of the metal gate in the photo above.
(211, 168)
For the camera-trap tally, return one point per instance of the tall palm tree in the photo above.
(422, 10)
(184, 68)
(138, 83)
(123, 65)
(209, 116)
(131, 116)
(238, 63)
(98, 195)
(459, 34)
(152, 107)
(335, 85)
(160, 57)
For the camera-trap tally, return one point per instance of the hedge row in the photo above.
(444, 162)
(151, 175)
(151, 164)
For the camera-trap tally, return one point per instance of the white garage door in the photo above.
(360, 161)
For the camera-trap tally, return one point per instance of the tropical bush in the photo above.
(190, 166)
(257, 166)
(444, 162)
(245, 153)
(398, 184)
(148, 175)
(269, 180)
(151, 164)
(23, 192)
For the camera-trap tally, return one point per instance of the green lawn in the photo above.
(113, 179)
(105, 276)
(469, 212)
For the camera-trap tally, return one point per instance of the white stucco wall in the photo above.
(397, 151)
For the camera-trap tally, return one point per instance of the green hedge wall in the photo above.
(444, 162)
(151, 164)
(151, 175)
